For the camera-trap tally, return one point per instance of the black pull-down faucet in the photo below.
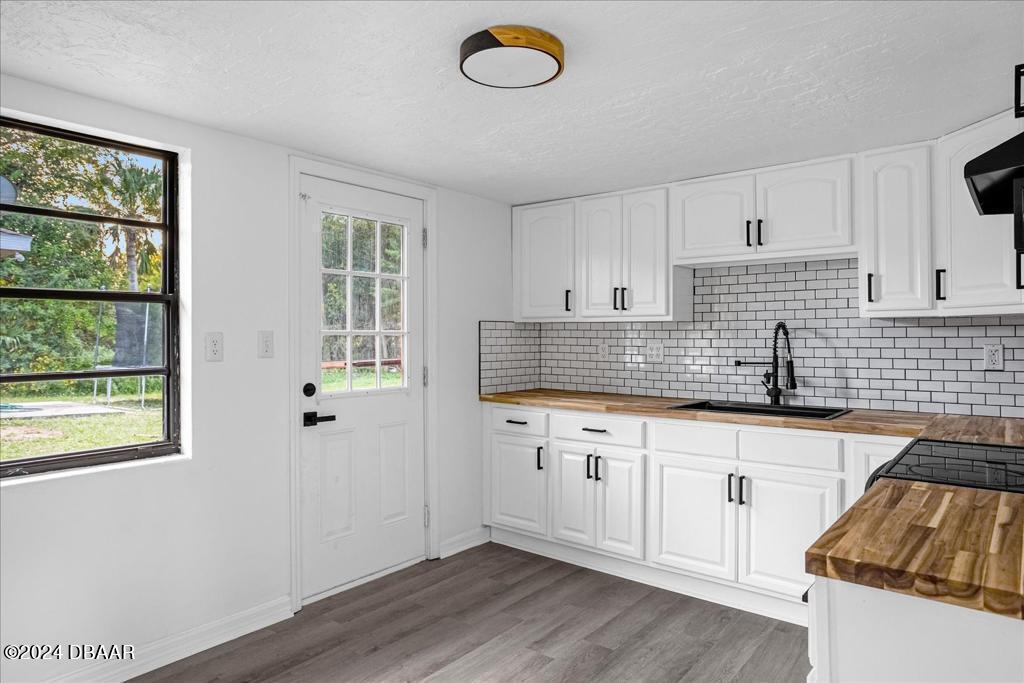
(773, 390)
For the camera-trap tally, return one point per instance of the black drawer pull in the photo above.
(1020, 282)
(567, 293)
(596, 431)
(589, 456)
(624, 298)
(516, 422)
(871, 298)
(729, 490)
(759, 242)
(539, 465)
(938, 284)
(615, 298)
(597, 468)
(741, 501)
(749, 244)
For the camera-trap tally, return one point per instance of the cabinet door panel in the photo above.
(782, 515)
(805, 207)
(519, 494)
(896, 222)
(693, 524)
(572, 496)
(709, 217)
(544, 260)
(867, 457)
(600, 255)
(620, 502)
(644, 253)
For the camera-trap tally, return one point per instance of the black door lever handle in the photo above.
(311, 419)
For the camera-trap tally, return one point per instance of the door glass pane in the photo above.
(364, 362)
(49, 418)
(391, 304)
(364, 303)
(335, 298)
(391, 248)
(333, 363)
(364, 245)
(334, 241)
(392, 363)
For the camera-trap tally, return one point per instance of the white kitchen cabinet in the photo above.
(804, 207)
(868, 455)
(543, 270)
(713, 217)
(781, 513)
(693, 520)
(619, 502)
(974, 254)
(519, 483)
(599, 240)
(896, 231)
(572, 493)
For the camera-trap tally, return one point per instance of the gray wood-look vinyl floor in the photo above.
(494, 613)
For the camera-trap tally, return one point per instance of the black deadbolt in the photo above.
(308, 389)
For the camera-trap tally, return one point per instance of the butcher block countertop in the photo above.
(958, 545)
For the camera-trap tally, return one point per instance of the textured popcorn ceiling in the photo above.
(652, 92)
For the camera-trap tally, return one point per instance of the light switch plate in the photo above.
(655, 352)
(265, 344)
(214, 347)
(993, 356)
(603, 351)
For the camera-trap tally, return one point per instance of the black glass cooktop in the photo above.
(961, 464)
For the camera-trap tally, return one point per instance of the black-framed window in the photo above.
(89, 362)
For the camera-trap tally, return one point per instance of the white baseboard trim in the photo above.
(465, 541)
(730, 596)
(163, 651)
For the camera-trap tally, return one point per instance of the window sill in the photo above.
(29, 479)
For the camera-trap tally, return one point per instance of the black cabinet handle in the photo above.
(729, 489)
(596, 431)
(759, 242)
(749, 244)
(597, 468)
(539, 465)
(311, 419)
(516, 422)
(938, 284)
(623, 298)
(1020, 257)
(741, 501)
(589, 456)
(871, 298)
(615, 298)
(567, 293)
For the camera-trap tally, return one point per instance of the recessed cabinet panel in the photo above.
(867, 457)
(710, 217)
(619, 491)
(572, 484)
(804, 207)
(543, 241)
(599, 236)
(519, 493)
(644, 256)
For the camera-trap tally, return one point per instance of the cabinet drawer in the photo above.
(599, 429)
(797, 450)
(514, 421)
(695, 439)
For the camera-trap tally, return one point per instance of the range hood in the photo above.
(990, 176)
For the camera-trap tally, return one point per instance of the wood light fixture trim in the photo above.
(513, 36)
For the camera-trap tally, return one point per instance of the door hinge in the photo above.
(303, 196)
(424, 375)
(426, 516)
(424, 238)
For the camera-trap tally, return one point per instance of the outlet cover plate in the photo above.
(655, 351)
(265, 344)
(214, 347)
(993, 356)
(603, 352)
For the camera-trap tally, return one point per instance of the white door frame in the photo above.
(353, 175)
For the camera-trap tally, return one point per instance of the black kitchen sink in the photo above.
(810, 412)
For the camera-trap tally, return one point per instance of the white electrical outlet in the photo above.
(603, 351)
(214, 347)
(993, 356)
(265, 344)
(655, 352)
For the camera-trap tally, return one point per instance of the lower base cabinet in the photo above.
(519, 483)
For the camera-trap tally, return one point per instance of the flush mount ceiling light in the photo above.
(512, 57)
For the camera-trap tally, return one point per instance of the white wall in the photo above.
(474, 283)
(156, 552)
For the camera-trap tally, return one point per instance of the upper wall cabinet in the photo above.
(801, 210)
(543, 270)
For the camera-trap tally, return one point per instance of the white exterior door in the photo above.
(804, 207)
(781, 516)
(693, 522)
(896, 270)
(572, 494)
(712, 217)
(543, 268)
(644, 254)
(976, 252)
(519, 491)
(599, 239)
(619, 490)
(361, 346)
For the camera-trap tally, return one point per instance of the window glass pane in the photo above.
(50, 418)
(334, 301)
(333, 364)
(391, 248)
(391, 304)
(334, 241)
(364, 303)
(44, 335)
(52, 253)
(392, 362)
(364, 245)
(364, 362)
(52, 172)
